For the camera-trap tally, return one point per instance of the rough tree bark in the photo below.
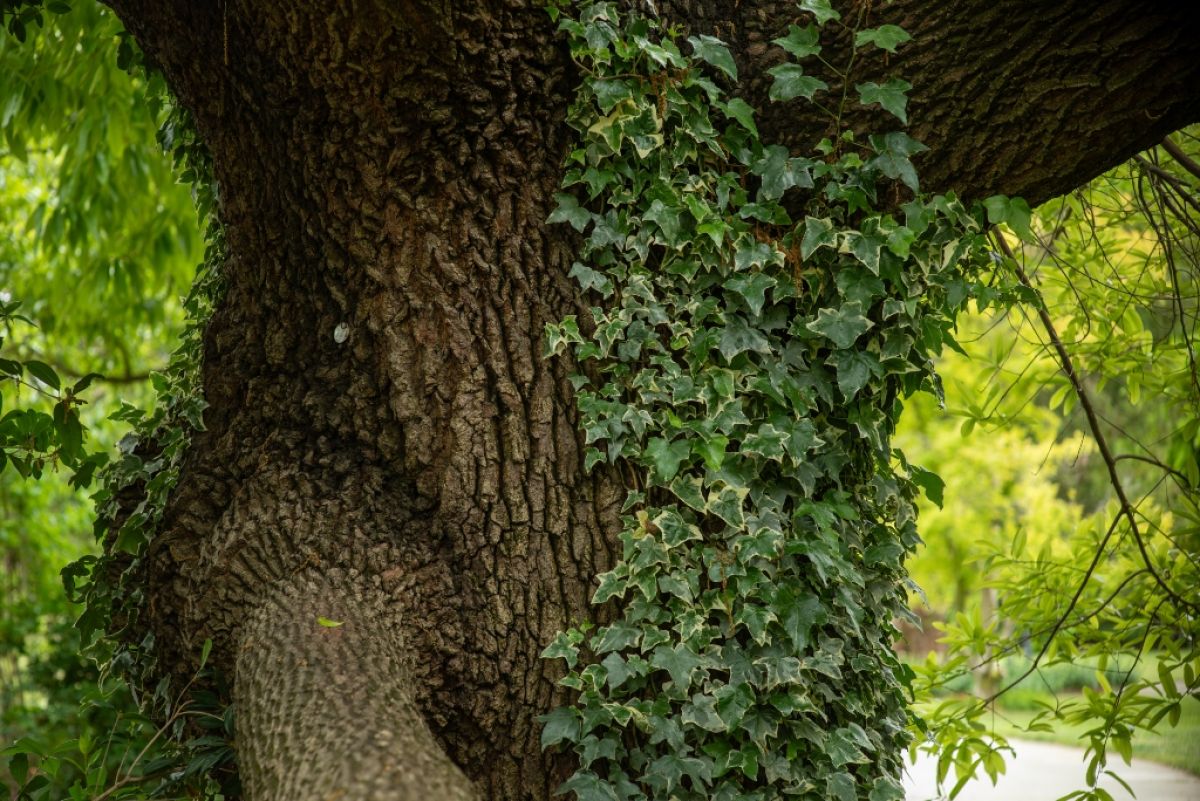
(388, 165)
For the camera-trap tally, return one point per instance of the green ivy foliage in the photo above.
(760, 317)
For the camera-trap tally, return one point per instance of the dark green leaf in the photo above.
(790, 82)
(885, 37)
(714, 51)
(800, 42)
(43, 372)
(844, 325)
(891, 96)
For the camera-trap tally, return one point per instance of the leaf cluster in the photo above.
(760, 318)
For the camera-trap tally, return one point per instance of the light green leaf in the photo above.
(1012, 211)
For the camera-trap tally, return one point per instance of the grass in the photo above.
(1178, 747)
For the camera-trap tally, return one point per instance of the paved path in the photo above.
(1045, 772)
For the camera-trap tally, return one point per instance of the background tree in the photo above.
(385, 447)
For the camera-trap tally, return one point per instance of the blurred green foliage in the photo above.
(97, 242)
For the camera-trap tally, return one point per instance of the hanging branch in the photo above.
(1068, 365)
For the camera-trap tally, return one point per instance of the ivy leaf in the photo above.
(712, 449)
(689, 489)
(865, 248)
(886, 788)
(844, 326)
(669, 220)
(791, 82)
(609, 92)
(701, 711)
(560, 725)
(800, 42)
(591, 279)
(842, 748)
(588, 787)
(679, 661)
(665, 456)
(714, 51)
(755, 618)
(858, 284)
(741, 111)
(738, 336)
(821, 9)
(818, 233)
(615, 637)
(779, 173)
(752, 254)
(854, 370)
(611, 585)
(562, 648)
(891, 96)
(1013, 211)
(767, 442)
(800, 614)
(675, 530)
(569, 211)
(726, 504)
(840, 786)
(883, 553)
(752, 288)
(616, 670)
(885, 37)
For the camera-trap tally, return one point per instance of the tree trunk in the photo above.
(386, 447)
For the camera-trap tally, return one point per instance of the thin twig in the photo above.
(1085, 402)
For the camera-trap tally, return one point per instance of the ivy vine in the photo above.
(760, 317)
